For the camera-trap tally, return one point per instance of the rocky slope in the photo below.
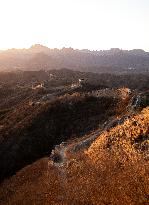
(66, 145)
(29, 132)
(113, 169)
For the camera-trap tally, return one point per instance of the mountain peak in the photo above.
(39, 48)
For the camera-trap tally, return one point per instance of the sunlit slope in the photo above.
(113, 170)
(128, 141)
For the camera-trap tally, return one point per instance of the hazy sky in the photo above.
(92, 24)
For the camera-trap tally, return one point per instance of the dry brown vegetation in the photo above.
(30, 132)
(110, 168)
(114, 170)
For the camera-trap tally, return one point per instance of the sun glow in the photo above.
(92, 24)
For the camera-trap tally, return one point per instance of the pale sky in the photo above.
(92, 24)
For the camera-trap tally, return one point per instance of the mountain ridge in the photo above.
(136, 60)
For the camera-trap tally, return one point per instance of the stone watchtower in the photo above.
(81, 81)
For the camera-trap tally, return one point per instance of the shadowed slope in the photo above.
(30, 132)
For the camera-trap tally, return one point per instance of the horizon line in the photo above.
(52, 48)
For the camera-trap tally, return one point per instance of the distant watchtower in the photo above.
(39, 86)
(81, 81)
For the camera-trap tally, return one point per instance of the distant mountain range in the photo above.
(39, 57)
